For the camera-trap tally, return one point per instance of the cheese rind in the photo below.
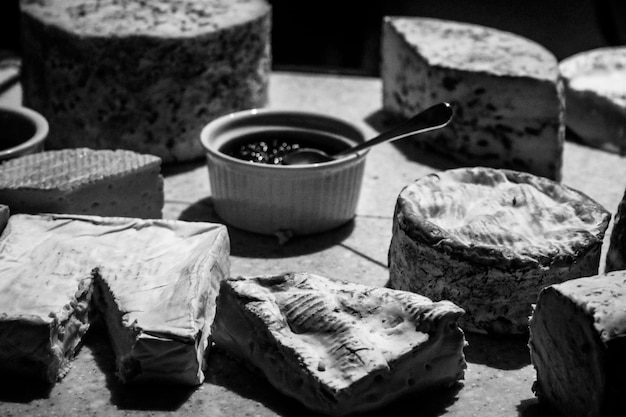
(489, 240)
(616, 254)
(595, 93)
(339, 347)
(505, 90)
(155, 283)
(577, 342)
(84, 181)
(144, 76)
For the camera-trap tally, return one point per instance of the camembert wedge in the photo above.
(339, 347)
(154, 282)
(84, 181)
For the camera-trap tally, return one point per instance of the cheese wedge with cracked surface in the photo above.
(577, 344)
(339, 347)
(84, 181)
(595, 93)
(154, 282)
(489, 240)
(505, 90)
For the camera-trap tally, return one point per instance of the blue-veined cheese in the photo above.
(339, 347)
(505, 90)
(595, 93)
(84, 181)
(153, 281)
(143, 75)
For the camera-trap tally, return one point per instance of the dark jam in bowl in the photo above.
(14, 129)
(269, 146)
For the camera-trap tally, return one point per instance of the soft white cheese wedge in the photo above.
(489, 240)
(577, 344)
(505, 90)
(595, 93)
(339, 347)
(155, 283)
(84, 181)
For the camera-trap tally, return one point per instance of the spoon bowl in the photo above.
(432, 118)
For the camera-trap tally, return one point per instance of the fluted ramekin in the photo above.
(272, 199)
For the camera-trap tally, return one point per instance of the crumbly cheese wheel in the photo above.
(143, 75)
(616, 254)
(489, 240)
(595, 93)
(577, 344)
(154, 283)
(339, 347)
(505, 90)
(84, 181)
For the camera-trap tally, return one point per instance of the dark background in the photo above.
(343, 36)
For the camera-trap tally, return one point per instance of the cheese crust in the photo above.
(339, 347)
(490, 239)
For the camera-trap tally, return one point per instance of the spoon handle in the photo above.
(434, 117)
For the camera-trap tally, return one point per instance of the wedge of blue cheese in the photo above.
(595, 93)
(577, 343)
(339, 347)
(143, 75)
(154, 282)
(84, 181)
(505, 90)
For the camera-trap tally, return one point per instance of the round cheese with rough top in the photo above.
(595, 93)
(143, 75)
(490, 239)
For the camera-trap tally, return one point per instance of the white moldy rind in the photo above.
(505, 90)
(144, 76)
(155, 284)
(489, 240)
(339, 347)
(577, 343)
(616, 254)
(595, 93)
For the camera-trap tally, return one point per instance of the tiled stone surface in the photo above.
(499, 375)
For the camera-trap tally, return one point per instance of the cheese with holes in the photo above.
(505, 90)
(489, 240)
(577, 345)
(616, 254)
(595, 93)
(84, 181)
(339, 347)
(143, 75)
(154, 283)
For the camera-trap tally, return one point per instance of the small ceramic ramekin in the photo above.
(274, 199)
(23, 131)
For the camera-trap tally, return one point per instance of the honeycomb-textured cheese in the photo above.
(616, 254)
(84, 181)
(505, 90)
(339, 347)
(577, 344)
(143, 75)
(489, 240)
(595, 93)
(154, 283)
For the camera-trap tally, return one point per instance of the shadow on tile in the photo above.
(252, 245)
(501, 352)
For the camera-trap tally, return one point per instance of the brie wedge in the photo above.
(339, 347)
(154, 282)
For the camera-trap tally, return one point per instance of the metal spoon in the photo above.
(432, 118)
